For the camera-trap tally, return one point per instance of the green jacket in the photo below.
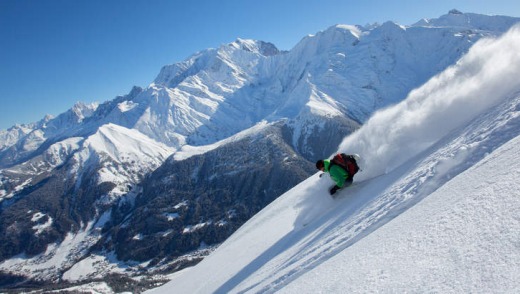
(338, 174)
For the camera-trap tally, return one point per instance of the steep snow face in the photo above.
(120, 156)
(443, 218)
(122, 144)
(218, 92)
(228, 66)
(365, 69)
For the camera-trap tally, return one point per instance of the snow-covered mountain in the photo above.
(183, 163)
(435, 208)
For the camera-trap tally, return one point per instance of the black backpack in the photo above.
(347, 162)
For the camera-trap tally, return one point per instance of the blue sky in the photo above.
(54, 53)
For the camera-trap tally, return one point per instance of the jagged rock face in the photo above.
(203, 199)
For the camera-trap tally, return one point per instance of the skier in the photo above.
(341, 169)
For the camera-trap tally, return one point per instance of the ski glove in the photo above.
(334, 190)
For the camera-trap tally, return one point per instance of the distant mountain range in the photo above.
(150, 182)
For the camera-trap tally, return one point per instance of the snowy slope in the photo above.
(435, 209)
(461, 238)
(122, 156)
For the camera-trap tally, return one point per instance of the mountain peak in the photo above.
(469, 21)
(391, 26)
(260, 47)
(455, 11)
(82, 110)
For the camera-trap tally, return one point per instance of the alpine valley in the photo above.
(130, 190)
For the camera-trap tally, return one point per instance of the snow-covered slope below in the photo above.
(435, 209)
(461, 238)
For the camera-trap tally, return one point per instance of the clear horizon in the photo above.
(58, 52)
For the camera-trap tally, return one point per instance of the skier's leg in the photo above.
(348, 182)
